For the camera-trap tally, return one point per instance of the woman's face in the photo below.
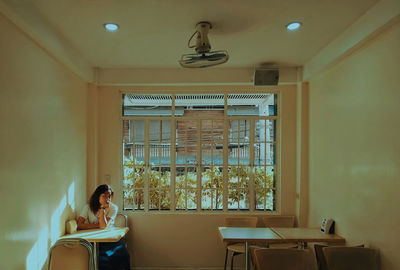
(105, 198)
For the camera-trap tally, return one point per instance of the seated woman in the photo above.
(101, 213)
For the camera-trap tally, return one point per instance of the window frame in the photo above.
(227, 118)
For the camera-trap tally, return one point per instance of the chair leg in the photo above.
(226, 258)
(233, 256)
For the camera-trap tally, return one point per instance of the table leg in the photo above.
(303, 245)
(247, 256)
(95, 255)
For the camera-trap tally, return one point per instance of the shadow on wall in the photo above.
(37, 256)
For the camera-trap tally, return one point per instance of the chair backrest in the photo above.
(278, 221)
(319, 256)
(351, 258)
(282, 258)
(241, 222)
(252, 252)
(121, 220)
(72, 253)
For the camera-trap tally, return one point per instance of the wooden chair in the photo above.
(320, 258)
(351, 258)
(238, 248)
(121, 220)
(71, 253)
(283, 259)
(274, 221)
(280, 221)
(252, 251)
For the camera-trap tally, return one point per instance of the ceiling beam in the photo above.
(26, 17)
(381, 16)
(182, 76)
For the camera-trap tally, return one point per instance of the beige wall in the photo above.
(182, 240)
(47, 113)
(355, 146)
(42, 146)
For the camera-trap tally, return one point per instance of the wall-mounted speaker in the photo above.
(266, 77)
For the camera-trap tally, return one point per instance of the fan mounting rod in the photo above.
(202, 42)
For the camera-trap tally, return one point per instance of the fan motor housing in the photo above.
(202, 42)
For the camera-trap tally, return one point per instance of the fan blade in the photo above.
(204, 59)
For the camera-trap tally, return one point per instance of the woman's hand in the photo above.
(106, 205)
(105, 200)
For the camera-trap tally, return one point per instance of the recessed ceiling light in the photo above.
(293, 26)
(111, 27)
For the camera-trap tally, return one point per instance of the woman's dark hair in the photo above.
(94, 203)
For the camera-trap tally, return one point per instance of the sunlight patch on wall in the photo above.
(55, 228)
(71, 196)
(38, 254)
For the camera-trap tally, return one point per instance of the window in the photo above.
(209, 152)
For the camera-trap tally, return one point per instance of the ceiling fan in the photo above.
(203, 57)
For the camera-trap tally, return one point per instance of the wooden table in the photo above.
(274, 235)
(246, 235)
(305, 235)
(111, 234)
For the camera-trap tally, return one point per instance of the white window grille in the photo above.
(200, 152)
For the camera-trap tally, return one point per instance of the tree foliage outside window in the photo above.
(159, 186)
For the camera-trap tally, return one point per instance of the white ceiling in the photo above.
(154, 33)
